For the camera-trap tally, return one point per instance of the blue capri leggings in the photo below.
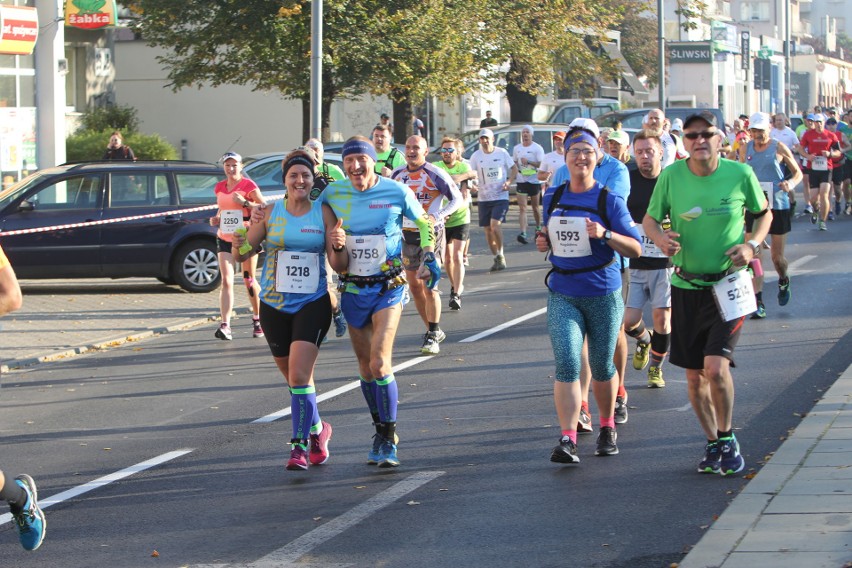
(570, 319)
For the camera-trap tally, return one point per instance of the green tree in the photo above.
(264, 44)
(547, 43)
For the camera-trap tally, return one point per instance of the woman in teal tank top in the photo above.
(295, 310)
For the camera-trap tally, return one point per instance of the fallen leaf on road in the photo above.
(155, 554)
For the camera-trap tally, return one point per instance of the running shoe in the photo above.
(339, 323)
(808, 209)
(760, 312)
(440, 335)
(655, 378)
(257, 331)
(375, 452)
(387, 454)
(849, 208)
(406, 297)
(784, 292)
(455, 302)
(731, 460)
(822, 226)
(466, 261)
(319, 453)
(640, 356)
(499, 263)
(712, 458)
(224, 332)
(298, 458)
(584, 425)
(831, 215)
(565, 452)
(29, 519)
(606, 442)
(814, 215)
(522, 238)
(621, 409)
(837, 208)
(431, 343)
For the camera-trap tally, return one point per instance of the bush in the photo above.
(88, 145)
(115, 117)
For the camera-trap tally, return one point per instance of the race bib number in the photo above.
(366, 254)
(493, 175)
(819, 164)
(769, 189)
(734, 295)
(649, 248)
(568, 237)
(230, 220)
(296, 272)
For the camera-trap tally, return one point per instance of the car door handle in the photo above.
(171, 218)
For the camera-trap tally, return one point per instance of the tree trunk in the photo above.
(521, 103)
(401, 116)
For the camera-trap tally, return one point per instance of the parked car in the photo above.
(565, 110)
(509, 135)
(265, 170)
(175, 247)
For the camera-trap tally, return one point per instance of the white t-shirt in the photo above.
(787, 136)
(532, 153)
(552, 161)
(492, 171)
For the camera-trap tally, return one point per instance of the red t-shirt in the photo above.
(225, 200)
(816, 143)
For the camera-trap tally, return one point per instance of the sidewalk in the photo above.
(797, 511)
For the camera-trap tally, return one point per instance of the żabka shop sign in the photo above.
(19, 26)
(89, 14)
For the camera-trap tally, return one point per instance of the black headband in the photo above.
(297, 160)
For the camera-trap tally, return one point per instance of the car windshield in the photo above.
(10, 194)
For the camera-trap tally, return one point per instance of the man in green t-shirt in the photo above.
(457, 226)
(704, 197)
(388, 157)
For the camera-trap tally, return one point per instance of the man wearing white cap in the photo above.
(496, 172)
(765, 157)
(528, 156)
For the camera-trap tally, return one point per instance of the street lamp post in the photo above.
(661, 57)
(316, 69)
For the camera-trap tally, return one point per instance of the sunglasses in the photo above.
(447, 150)
(706, 134)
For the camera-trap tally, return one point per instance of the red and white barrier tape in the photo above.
(116, 220)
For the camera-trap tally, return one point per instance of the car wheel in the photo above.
(195, 266)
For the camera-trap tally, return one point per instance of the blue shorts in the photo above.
(489, 210)
(359, 306)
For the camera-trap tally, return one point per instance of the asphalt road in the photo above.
(477, 424)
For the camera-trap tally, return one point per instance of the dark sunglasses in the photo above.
(706, 134)
(447, 150)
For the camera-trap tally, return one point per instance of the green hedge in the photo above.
(88, 145)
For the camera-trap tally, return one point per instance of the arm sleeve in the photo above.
(450, 190)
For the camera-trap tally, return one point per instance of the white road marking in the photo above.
(402, 366)
(288, 555)
(102, 481)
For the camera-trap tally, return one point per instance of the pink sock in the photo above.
(610, 422)
(571, 434)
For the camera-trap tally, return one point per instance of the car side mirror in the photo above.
(26, 206)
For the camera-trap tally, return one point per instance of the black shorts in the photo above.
(222, 245)
(698, 330)
(819, 177)
(458, 233)
(847, 169)
(782, 222)
(309, 324)
(838, 174)
(528, 188)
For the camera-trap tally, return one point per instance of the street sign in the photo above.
(765, 52)
(745, 50)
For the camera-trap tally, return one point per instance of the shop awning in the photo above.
(629, 82)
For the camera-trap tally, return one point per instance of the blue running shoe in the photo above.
(30, 520)
(387, 454)
(731, 461)
(375, 452)
(712, 458)
(339, 323)
(760, 313)
(784, 292)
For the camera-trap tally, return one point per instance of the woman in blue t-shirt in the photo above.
(295, 309)
(587, 227)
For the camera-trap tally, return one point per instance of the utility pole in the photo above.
(316, 69)
(661, 57)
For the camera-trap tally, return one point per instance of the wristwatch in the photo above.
(754, 245)
(607, 235)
